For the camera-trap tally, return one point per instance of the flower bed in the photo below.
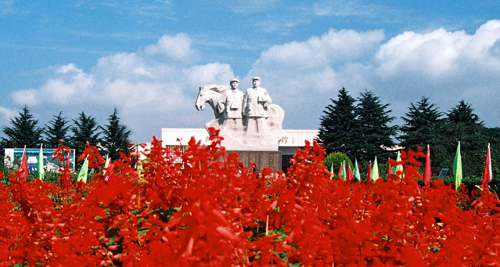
(210, 211)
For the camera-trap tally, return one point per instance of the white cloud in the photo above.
(440, 52)
(177, 47)
(149, 91)
(67, 84)
(6, 114)
(446, 66)
(301, 76)
(156, 86)
(311, 65)
(25, 97)
(317, 52)
(213, 73)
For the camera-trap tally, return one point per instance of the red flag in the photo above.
(427, 170)
(389, 171)
(24, 166)
(339, 175)
(487, 175)
(369, 172)
(350, 175)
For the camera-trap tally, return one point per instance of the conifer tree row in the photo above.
(359, 131)
(23, 132)
(426, 125)
(360, 128)
(112, 139)
(420, 119)
(85, 130)
(339, 126)
(115, 137)
(56, 129)
(375, 132)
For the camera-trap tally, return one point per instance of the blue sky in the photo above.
(147, 58)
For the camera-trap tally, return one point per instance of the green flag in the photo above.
(457, 168)
(397, 168)
(343, 175)
(106, 165)
(140, 169)
(82, 175)
(356, 170)
(331, 171)
(375, 175)
(41, 171)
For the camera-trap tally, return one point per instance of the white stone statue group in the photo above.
(246, 121)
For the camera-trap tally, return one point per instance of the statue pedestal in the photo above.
(263, 159)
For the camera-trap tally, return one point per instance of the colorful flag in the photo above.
(41, 171)
(106, 162)
(331, 171)
(82, 175)
(389, 169)
(375, 174)
(397, 168)
(349, 173)
(369, 172)
(488, 174)
(140, 169)
(25, 171)
(457, 168)
(339, 174)
(106, 165)
(343, 174)
(427, 170)
(356, 174)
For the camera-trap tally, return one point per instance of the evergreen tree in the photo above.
(116, 137)
(337, 132)
(85, 129)
(374, 130)
(465, 126)
(473, 142)
(24, 131)
(57, 129)
(461, 125)
(421, 123)
(493, 137)
(463, 113)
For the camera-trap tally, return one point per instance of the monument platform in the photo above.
(262, 159)
(291, 140)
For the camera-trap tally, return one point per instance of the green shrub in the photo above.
(335, 159)
(470, 181)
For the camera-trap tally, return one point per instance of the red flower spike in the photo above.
(210, 210)
(93, 156)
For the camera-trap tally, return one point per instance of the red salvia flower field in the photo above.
(210, 211)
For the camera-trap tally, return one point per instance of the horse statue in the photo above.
(210, 94)
(237, 140)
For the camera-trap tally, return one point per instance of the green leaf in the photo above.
(143, 231)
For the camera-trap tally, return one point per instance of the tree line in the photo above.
(111, 138)
(361, 128)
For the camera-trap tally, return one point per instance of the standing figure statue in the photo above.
(247, 122)
(255, 108)
(231, 107)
